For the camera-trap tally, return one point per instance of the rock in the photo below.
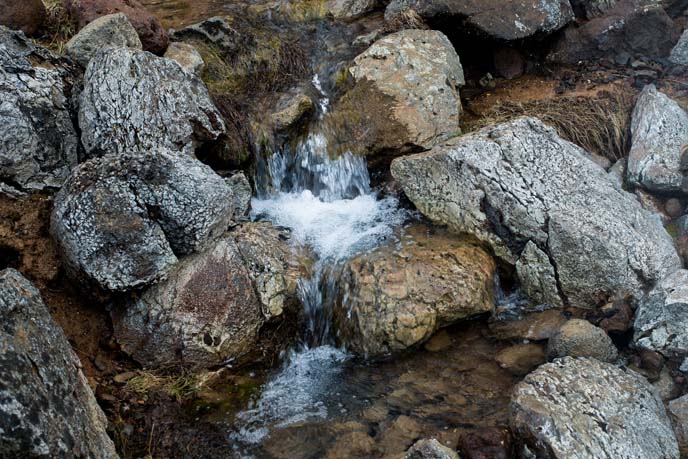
(589, 9)
(430, 449)
(120, 221)
(406, 94)
(186, 55)
(537, 276)
(399, 435)
(509, 63)
(661, 322)
(291, 110)
(617, 173)
(344, 9)
(581, 408)
(135, 102)
(397, 296)
(521, 359)
(487, 443)
(666, 387)
(679, 53)
(242, 194)
(47, 409)
(633, 27)
(678, 412)
(536, 326)
(659, 131)
(152, 34)
(673, 208)
(27, 16)
(113, 30)
(618, 317)
(497, 19)
(580, 338)
(38, 141)
(216, 30)
(518, 182)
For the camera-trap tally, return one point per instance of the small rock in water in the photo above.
(430, 449)
(536, 326)
(521, 359)
(487, 443)
(580, 338)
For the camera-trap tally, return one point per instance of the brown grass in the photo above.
(600, 124)
(181, 386)
(59, 26)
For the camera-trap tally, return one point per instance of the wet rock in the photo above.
(521, 359)
(661, 322)
(342, 9)
(679, 53)
(134, 102)
(518, 182)
(678, 413)
(47, 409)
(536, 326)
(152, 34)
(398, 296)
(113, 30)
(407, 85)
(27, 16)
(494, 18)
(430, 449)
(38, 141)
(291, 110)
(120, 221)
(186, 55)
(580, 338)
(581, 407)
(633, 27)
(487, 443)
(399, 435)
(509, 63)
(589, 9)
(659, 131)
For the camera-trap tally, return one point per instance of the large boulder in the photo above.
(518, 182)
(134, 101)
(496, 19)
(679, 53)
(113, 30)
(398, 295)
(47, 409)
(38, 140)
(583, 408)
(659, 134)
(406, 94)
(27, 15)
(120, 221)
(152, 34)
(661, 322)
(210, 308)
(636, 28)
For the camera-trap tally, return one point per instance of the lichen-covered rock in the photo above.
(113, 30)
(659, 133)
(398, 296)
(583, 408)
(151, 32)
(26, 15)
(661, 322)
(430, 449)
(186, 55)
(537, 276)
(580, 338)
(518, 182)
(416, 75)
(679, 53)
(495, 18)
(38, 141)
(121, 220)
(344, 9)
(134, 101)
(47, 409)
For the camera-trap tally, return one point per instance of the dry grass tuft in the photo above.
(600, 125)
(407, 19)
(180, 386)
(59, 25)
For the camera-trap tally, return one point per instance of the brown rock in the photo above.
(535, 326)
(399, 435)
(619, 317)
(487, 443)
(509, 63)
(673, 207)
(24, 15)
(580, 338)
(678, 413)
(152, 34)
(521, 358)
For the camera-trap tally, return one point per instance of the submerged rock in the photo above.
(495, 18)
(582, 408)
(47, 409)
(521, 359)
(398, 296)
(121, 220)
(518, 183)
(430, 449)
(659, 134)
(113, 30)
(38, 140)
(580, 338)
(134, 101)
(27, 15)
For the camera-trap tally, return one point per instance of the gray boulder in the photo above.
(679, 53)
(659, 132)
(580, 338)
(186, 55)
(583, 408)
(518, 182)
(661, 322)
(134, 101)
(430, 449)
(112, 30)
(120, 221)
(47, 409)
(495, 18)
(38, 141)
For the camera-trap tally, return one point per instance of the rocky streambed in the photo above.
(343, 229)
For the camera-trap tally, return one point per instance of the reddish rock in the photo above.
(488, 443)
(24, 15)
(509, 62)
(153, 36)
